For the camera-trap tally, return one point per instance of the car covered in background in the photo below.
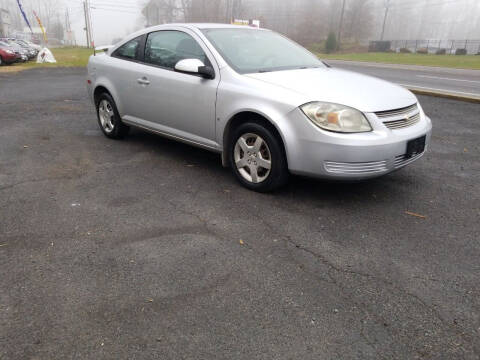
(30, 44)
(32, 51)
(8, 55)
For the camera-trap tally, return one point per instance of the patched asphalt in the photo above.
(148, 249)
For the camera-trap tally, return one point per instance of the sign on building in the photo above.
(252, 23)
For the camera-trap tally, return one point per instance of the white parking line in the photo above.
(441, 90)
(443, 78)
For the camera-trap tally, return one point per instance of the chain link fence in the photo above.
(451, 47)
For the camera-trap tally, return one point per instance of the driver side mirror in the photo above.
(195, 66)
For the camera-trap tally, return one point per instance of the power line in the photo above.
(413, 5)
(115, 10)
(114, 5)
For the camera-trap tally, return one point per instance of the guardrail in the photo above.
(451, 47)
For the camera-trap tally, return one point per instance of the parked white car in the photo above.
(268, 105)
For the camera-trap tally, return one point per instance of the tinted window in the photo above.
(249, 50)
(167, 48)
(129, 49)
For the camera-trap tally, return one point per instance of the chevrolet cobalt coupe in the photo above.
(266, 104)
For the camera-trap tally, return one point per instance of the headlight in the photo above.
(334, 117)
(9, 52)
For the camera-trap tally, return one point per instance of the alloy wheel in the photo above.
(106, 114)
(253, 158)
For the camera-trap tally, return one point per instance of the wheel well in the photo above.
(99, 90)
(241, 118)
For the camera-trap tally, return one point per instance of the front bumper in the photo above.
(315, 152)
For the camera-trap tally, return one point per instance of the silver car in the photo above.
(266, 104)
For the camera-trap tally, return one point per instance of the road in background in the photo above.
(452, 81)
(147, 248)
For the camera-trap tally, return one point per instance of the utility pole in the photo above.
(87, 27)
(88, 24)
(387, 7)
(68, 28)
(339, 34)
(92, 40)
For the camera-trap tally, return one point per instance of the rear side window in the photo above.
(128, 50)
(166, 48)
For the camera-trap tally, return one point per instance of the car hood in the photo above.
(365, 93)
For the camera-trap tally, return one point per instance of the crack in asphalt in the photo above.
(457, 329)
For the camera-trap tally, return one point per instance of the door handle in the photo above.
(143, 81)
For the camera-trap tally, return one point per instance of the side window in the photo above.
(129, 49)
(166, 48)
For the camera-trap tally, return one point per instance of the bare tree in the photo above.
(359, 20)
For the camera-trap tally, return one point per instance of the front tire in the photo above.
(257, 158)
(109, 119)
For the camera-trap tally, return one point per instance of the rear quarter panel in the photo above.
(101, 72)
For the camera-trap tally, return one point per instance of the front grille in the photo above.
(404, 160)
(397, 112)
(356, 168)
(400, 118)
(402, 123)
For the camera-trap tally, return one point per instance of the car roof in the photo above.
(220, 26)
(201, 26)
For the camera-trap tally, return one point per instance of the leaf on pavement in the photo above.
(415, 214)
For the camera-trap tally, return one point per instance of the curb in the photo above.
(442, 94)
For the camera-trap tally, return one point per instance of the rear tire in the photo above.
(257, 157)
(109, 119)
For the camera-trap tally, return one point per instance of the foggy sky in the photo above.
(408, 19)
(111, 19)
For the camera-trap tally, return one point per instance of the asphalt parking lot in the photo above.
(148, 249)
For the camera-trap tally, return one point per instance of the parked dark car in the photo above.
(7, 54)
(24, 54)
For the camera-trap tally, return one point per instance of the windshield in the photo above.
(250, 51)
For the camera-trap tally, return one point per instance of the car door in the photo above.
(123, 71)
(176, 103)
